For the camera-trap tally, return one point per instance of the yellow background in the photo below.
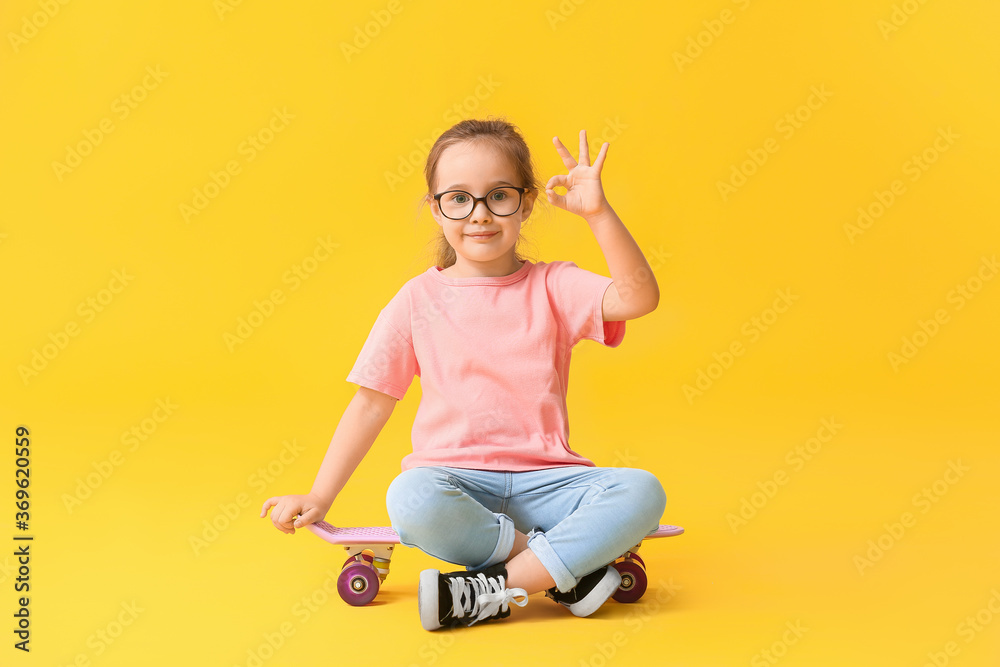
(897, 74)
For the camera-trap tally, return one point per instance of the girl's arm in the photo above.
(634, 292)
(361, 423)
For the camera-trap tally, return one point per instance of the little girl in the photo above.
(492, 482)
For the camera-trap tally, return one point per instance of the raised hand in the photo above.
(584, 194)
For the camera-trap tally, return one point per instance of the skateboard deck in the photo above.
(369, 550)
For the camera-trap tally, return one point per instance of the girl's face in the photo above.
(477, 169)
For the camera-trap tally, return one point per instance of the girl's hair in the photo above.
(498, 134)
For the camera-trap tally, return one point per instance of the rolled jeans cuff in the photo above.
(504, 544)
(560, 574)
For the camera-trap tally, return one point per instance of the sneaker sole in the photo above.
(604, 589)
(428, 601)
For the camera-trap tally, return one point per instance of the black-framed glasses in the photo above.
(458, 204)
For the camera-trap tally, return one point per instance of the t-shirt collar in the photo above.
(482, 280)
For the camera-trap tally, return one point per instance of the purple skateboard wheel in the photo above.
(633, 581)
(358, 584)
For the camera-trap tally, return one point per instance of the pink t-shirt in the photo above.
(493, 358)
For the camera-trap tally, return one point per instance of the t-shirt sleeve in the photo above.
(387, 362)
(577, 296)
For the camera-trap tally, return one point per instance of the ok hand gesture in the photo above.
(584, 194)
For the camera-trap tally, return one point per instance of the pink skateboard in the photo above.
(370, 549)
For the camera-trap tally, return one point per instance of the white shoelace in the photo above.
(487, 595)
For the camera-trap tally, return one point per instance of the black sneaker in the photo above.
(465, 597)
(590, 593)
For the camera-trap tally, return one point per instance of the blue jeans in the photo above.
(577, 518)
